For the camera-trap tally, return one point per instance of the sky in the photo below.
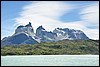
(79, 15)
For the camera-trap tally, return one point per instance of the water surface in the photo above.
(50, 60)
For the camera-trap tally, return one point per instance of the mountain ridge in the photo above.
(42, 35)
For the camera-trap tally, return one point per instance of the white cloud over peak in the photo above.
(44, 13)
(47, 14)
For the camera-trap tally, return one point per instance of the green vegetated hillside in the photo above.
(64, 47)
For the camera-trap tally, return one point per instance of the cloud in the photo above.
(44, 13)
(90, 14)
(47, 14)
(51, 9)
(90, 18)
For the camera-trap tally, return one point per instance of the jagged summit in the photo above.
(27, 29)
(71, 34)
(28, 25)
(41, 27)
(25, 35)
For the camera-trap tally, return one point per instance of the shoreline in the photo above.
(45, 55)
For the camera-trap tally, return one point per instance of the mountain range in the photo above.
(25, 35)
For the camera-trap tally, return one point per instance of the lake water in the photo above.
(50, 60)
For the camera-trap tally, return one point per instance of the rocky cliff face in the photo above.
(70, 34)
(25, 29)
(26, 35)
(22, 35)
(44, 35)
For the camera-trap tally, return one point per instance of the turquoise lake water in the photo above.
(50, 60)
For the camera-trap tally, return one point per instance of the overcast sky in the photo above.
(80, 15)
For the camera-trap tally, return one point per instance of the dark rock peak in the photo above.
(29, 25)
(61, 28)
(75, 30)
(67, 29)
(21, 26)
(58, 28)
(41, 27)
(51, 32)
(28, 28)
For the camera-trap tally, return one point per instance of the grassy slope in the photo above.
(63, 47)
